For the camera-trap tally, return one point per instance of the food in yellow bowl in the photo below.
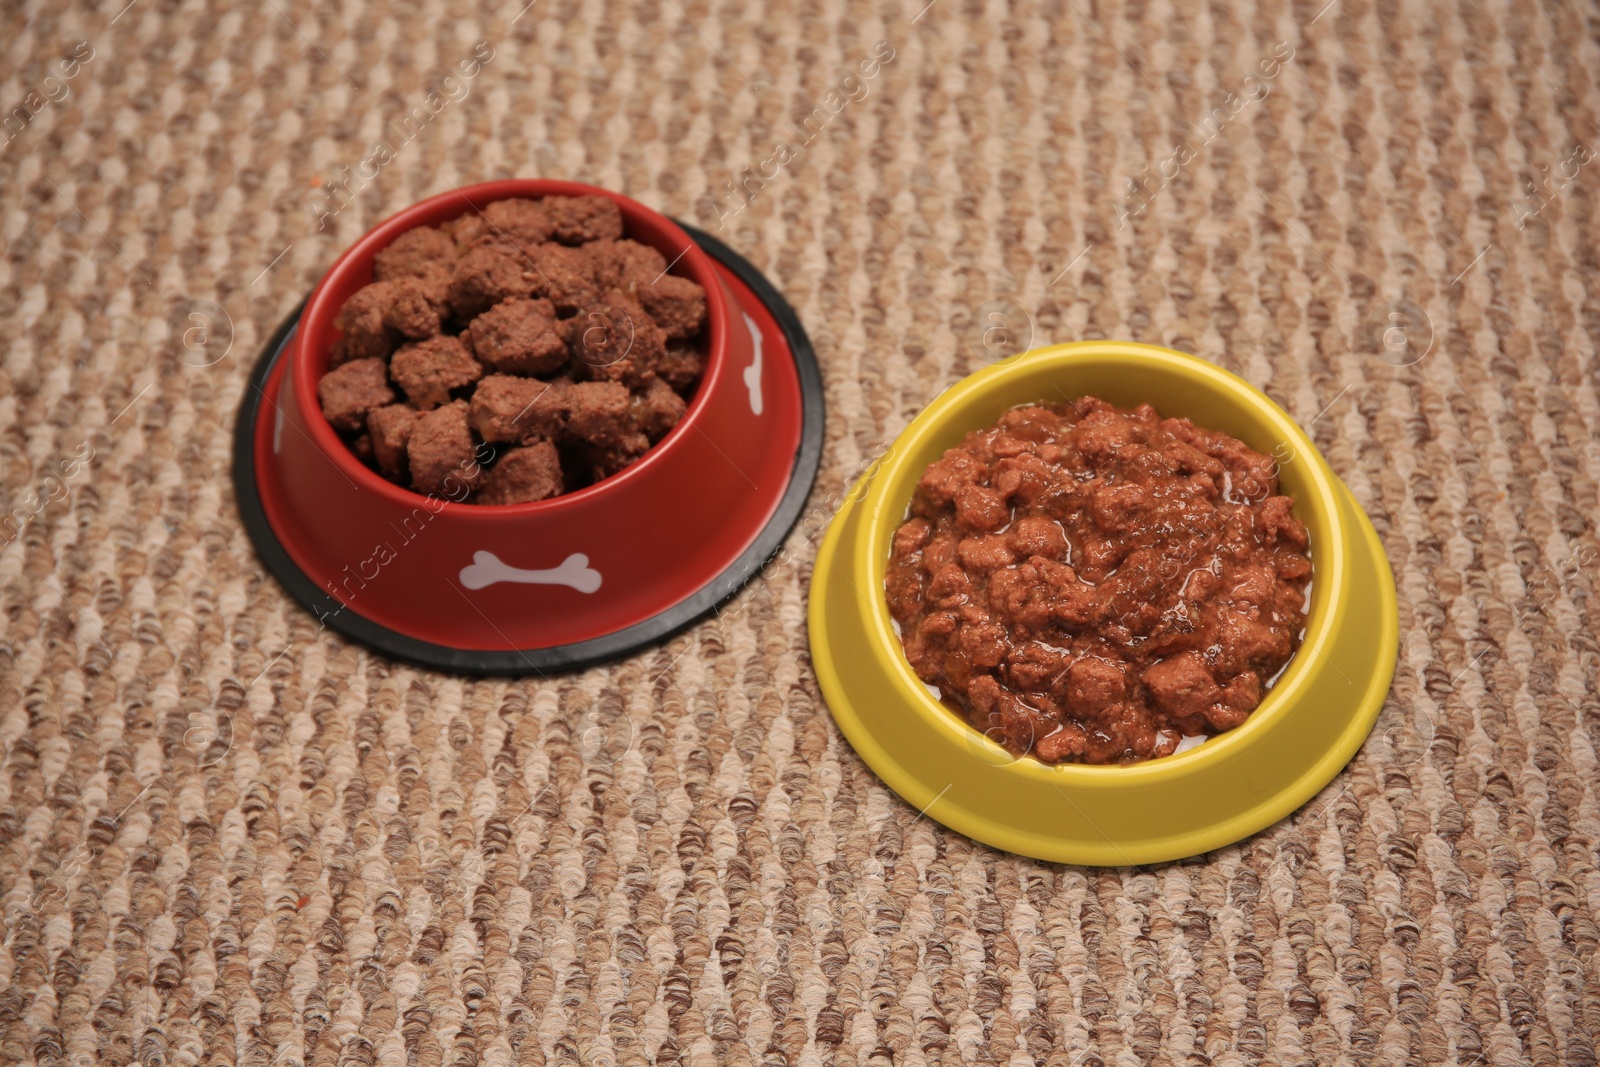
(1094, 584)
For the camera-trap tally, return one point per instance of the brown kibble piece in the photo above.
(563, 276)
(655, 410)
(413, 254)
(523, 475)
(624, 264)
(604, 462)
(487, 275)
(348, 392)
(597, 413)
(344, 351)
(518, 337)
(677, 305)
(576, 219)
(362, 447)
(390, 428)
(507, 408)
(429, 370)
(516, 221)
(443, 457)
(360, 322)
(468, 231)
(615, 340)
(419, 303)
(681, 366)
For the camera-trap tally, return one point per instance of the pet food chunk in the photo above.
(351, 390)
(468, 231)
(390, 428)
(576, 219)
(624, 264)
(1182, 686)
(517, 221)
(655, 410)
(563, 276)
(1094, 684)
(677, 305)
(518, 337)
(1277, 519)
(487, 275)
(606, 461)
(429, 370)
(420, 303)
(681, 366)
(413, 254)
(508, 408)
(442, 454)
(597, 413)
(363, 332)
(532, 472)
(616, 341)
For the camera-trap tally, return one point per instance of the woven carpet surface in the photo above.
(227, 836)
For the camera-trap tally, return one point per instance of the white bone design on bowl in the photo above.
(488, 569)
(752, 373)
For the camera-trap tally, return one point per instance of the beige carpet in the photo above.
(226, 837)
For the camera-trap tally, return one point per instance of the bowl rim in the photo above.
(364, 249)
(1319, 509)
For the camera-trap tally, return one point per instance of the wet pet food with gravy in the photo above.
(1091, 584)
(529, 349)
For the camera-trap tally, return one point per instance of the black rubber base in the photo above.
(331, 612)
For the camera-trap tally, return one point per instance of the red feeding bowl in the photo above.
(581, 577)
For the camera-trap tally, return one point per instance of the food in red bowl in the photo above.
(527, 350)
(497, 512)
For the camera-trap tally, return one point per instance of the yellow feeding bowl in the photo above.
(1305, 730)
